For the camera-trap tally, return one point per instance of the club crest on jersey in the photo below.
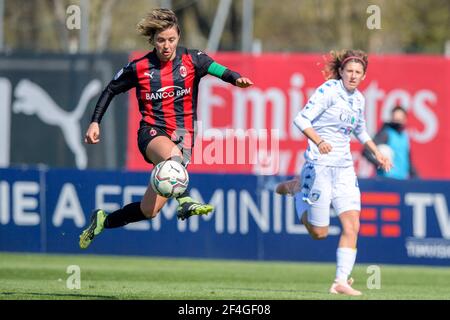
(315, 195)
(153, 132)
(183, 71)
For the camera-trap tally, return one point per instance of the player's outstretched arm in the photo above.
(243, 82)
(123, 81)
(207, 65)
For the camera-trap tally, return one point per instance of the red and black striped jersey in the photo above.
(166, 91)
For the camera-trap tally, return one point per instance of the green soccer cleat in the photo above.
(189, 207)
(95, 227)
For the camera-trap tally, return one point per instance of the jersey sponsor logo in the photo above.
(347, 117)
(183, 71)
(168, 92)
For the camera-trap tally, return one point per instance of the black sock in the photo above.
(130, 213)
(184, 194)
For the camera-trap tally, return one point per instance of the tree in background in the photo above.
(281, 25)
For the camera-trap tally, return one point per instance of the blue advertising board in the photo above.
(402, 222)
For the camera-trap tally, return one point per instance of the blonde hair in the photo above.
(338, 59)
(158, 20)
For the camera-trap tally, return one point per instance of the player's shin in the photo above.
(130, 213)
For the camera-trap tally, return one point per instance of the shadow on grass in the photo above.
(72, 295)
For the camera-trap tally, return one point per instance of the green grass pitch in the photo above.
(34, 276)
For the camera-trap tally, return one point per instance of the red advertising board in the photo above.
(251, 131)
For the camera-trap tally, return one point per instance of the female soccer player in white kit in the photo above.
(332, 114)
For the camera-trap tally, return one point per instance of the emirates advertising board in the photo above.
(251, 130)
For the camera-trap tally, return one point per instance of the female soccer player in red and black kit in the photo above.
(166, 82)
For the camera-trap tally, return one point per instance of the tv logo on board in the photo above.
(380, 214)
(384, 207)
(421, 245)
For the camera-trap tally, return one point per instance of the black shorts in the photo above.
(148, 133)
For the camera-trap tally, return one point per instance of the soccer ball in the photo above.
(169, 179)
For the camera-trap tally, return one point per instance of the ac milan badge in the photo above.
(183, 71)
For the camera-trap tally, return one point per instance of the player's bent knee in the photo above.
(319, 233)
(288, 187)
(281, 188)
(319, 236)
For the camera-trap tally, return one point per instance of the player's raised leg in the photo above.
(313, 210)
(316, 232)
(289, 187)
(96, 225)
(158, 149)
(187, 206)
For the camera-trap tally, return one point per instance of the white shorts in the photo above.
(322, 187)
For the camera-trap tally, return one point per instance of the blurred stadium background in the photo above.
(51, 75)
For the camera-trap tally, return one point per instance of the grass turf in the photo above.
(35, 276)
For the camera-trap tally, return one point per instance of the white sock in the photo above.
(345, 261)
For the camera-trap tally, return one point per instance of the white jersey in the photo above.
(334, 113)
